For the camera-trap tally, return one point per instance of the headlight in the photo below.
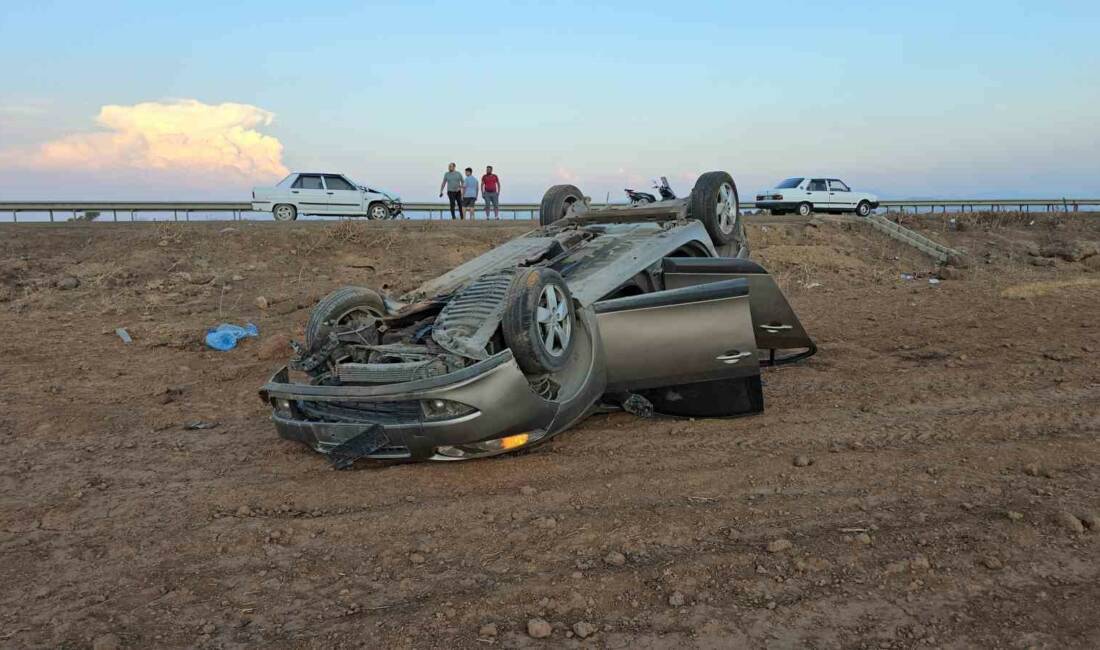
(475, 449)
(282, 407)
(444, 409)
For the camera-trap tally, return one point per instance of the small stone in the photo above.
(244, 511)
(1031, 469)
(676, 599)
(545, 523)
(416, 558)
(527, 491)
(539, 629)
(261, 302)
(864, 538)
(803, 461)
(67, 283)
(992, 563)
(919, 563)
(209, 628)
(1014, 516)
(897, 567)
(487, 631)
(107, 642)
(1069, 522)
(615, 558)
(584, 629)
(779, 545)
(1091, 520)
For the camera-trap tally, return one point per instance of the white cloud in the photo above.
(184, 137)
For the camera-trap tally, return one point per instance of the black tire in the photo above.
(863, 209)
(556, 202)
(284, 212)
(525, 334)
(805, 209)
(705, 205)
(378, 211)
(341, 307)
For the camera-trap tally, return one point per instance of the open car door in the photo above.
(776, 327)
(689, 351)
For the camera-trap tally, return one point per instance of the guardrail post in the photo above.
(186, 215)
(114, 215)
(51, 216)
(15, 216)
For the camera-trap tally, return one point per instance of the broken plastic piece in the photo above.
(124, 335)
(225, 336)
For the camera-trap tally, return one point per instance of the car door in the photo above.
(817, 193)
(690, 351)
(775, 326)
(308, 193)
(840, 195)
(343, 196)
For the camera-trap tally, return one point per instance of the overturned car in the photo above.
(652, 309)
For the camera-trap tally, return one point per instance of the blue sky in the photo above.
(915, 99)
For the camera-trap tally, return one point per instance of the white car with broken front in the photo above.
(326, 195)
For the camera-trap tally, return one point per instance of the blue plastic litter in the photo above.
(225, 336)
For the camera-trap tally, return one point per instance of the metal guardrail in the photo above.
(238, 210)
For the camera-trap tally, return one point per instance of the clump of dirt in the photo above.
(928, 479)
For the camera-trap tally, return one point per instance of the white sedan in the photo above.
(806, 195)
(324, 194)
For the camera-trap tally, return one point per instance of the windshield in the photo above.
(789, 183)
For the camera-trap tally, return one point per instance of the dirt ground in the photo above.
(930, 479)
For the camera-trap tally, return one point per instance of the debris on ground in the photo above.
(199, 425)
(124, 335)
(225, 336)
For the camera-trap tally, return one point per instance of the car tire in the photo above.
(343, 306)
(863, 209)
(284, 212)
(539, 320)
(805, 209)
(378, 211)
(714, 202)
(556, 202)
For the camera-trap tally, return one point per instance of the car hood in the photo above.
(389, 195)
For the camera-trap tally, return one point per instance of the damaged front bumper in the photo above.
(486, 408)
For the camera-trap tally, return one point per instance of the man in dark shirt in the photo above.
(490, 189)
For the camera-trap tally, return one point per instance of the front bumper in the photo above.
(327, 417)
(396, 208)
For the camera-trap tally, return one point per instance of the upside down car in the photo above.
(651, 309)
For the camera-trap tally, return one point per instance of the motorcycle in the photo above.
(640, 198)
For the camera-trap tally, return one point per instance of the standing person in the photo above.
(469, 196)
(452, 180)
(490, 189)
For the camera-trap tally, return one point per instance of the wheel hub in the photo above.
(555, 325)
(727, 208)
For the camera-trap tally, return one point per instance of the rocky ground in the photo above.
(929, 479)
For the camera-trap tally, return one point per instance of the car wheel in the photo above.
(378, 211)
(344, 307)
(556, 203)
(284, 212)
(863, 209)
(539, 320)
(714, 202)
(805, 209)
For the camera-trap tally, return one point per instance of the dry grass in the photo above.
(1047, 287)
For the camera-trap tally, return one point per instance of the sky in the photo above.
(204, 100)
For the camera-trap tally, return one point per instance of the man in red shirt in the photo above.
(490, 190)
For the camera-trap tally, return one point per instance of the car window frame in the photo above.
(351, 186)
(810, 185)
(296, 185)
(842, 184)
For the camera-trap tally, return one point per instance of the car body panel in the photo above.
(678, 336)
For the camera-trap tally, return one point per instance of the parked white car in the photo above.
(806, 195)
(324, 194)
